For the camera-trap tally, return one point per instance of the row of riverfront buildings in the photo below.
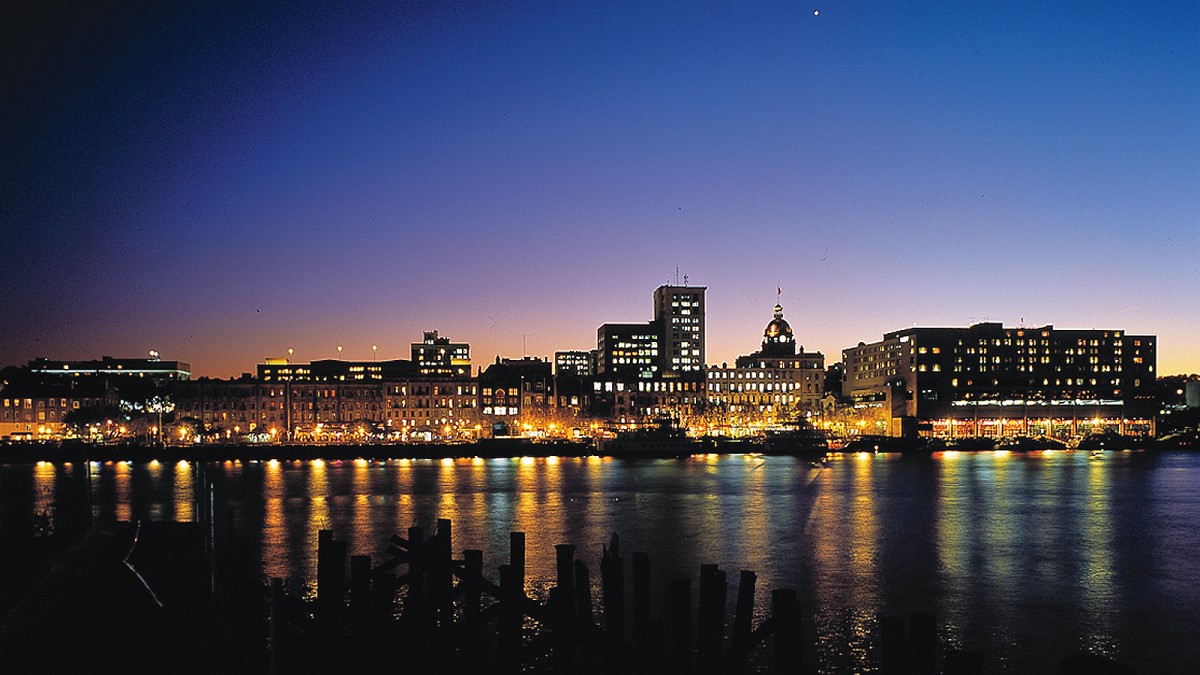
(983, 380)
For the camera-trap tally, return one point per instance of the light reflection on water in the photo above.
(1024, 557)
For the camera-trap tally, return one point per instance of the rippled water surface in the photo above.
(1023, 557)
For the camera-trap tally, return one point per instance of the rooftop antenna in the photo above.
(685, 280)
(677, 275)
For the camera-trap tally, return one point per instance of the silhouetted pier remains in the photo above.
(423, 607)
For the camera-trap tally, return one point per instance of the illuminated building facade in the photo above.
(989, 380)
(655, 368)
(436, 355)
(516, 391)
(628, 352)
(573, 372)
(152, 368)
(334, 370)
(679, 313)
(429, 407)
(416, 407)
(37, 409)
(777, 378)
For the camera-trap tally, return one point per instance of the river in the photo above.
(1025, 558)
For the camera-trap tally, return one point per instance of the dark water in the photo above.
(1025, 557)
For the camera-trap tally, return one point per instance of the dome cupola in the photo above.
(777, 337)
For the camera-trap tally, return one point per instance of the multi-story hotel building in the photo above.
(777, 378)
(989, 380)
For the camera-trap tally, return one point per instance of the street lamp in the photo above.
(374, 350)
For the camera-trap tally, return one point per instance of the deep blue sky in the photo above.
(220, 181)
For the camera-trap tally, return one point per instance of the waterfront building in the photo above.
(989, 380)
(656, 368)
(573, 371)
(38, 408)
(436, 355)
(334, 370)
(628, 352)
(152, 368)
(780, 378)
(516, 392)
(428, 407)
(679, 313)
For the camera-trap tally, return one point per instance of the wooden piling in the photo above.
(516, 556)
(681, 625)
(331, 575)
(744, 613)
(711, 616)
(612, 580)
(441, 577)
(564, 555)
(360, 591)
(641, 591)
(583, 594)
(508, 622)
(472, 587)
(785, 612)
(892, 644)
(922, 642)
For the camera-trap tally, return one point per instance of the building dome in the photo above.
(777, 337)
(778, 328)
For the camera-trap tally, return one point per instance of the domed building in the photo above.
(781, 375)
(777, 337)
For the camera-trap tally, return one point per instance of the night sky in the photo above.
(223, 181)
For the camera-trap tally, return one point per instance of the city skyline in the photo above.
(225, 185)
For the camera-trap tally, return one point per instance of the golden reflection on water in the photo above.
(275, 545)
(44, 492)
(845, 539)
(122, 484)
(950, 532)
(539, 513)
(469, 514)
(318, 518)
(183, 492)
(1097, 576)
(361, 519)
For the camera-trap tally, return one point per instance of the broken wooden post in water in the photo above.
(711, 617)
(785, 612)
(681, 625)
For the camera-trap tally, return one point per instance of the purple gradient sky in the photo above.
(222, 183)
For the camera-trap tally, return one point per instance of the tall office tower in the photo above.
(679, 312)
